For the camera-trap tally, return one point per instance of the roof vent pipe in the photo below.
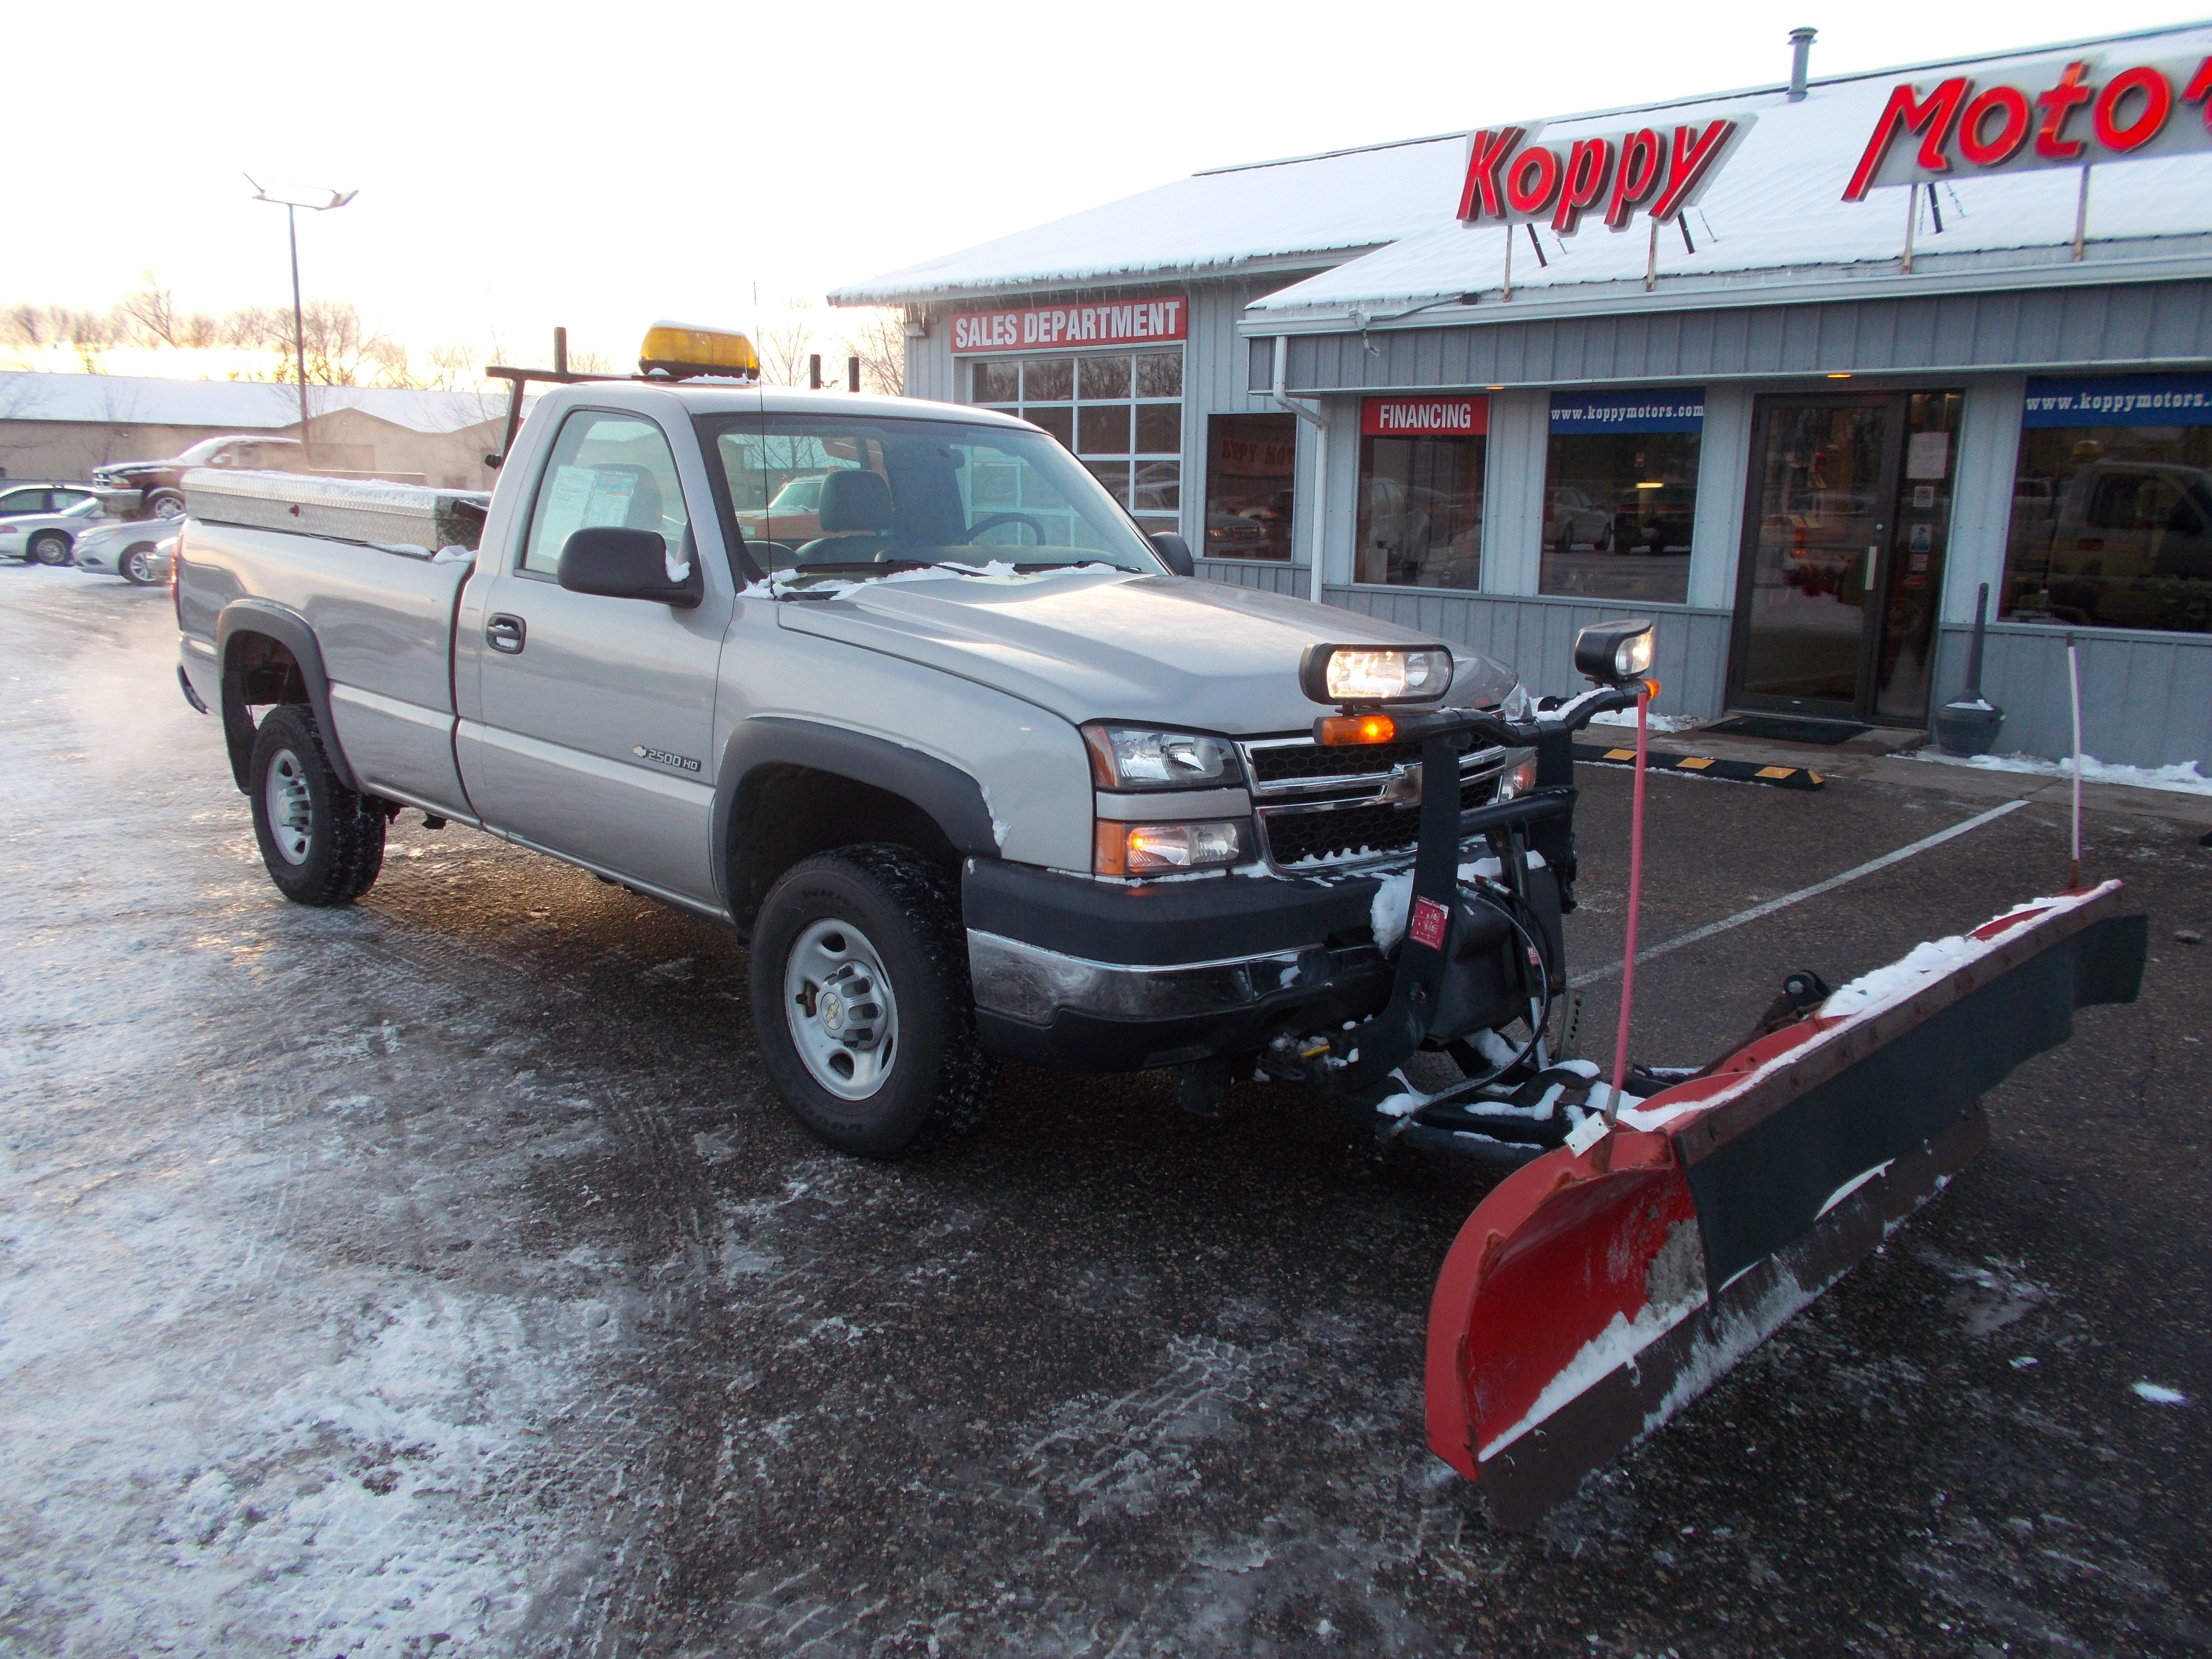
(1800, 50)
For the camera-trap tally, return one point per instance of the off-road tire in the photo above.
(939, 1079)
(134, 566)
(345, 830)
(47, 547)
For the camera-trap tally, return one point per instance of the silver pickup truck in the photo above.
(975, 767)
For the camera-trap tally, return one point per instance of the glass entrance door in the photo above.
(1845, 529)
(1823, 478)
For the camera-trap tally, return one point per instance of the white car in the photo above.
(137, 550)
(39, 524)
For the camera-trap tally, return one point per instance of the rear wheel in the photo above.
(136, 564)
(322, 842)
(860, 998)
(48, 547)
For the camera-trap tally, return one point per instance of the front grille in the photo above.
(1320, 806)
(1300, 762)
(1295, 837)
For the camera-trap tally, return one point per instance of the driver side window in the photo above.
(605, 469)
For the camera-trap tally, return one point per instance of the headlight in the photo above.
(1144, 849)
(1615, 653)
(1519, 776)
(1138, 757)
(1361, 673)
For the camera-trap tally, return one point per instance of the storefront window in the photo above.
(1620, 487)
(2111, 504)
(1120, 412)
(1420, 520)
(1250, 462)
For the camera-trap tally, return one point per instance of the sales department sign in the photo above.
(1157, 319)
(2061, 113)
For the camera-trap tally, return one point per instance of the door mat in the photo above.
(1781, 728)
(1704, 766)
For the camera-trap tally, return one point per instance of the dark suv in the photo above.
(162, 481)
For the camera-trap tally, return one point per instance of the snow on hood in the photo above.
(1092, 645)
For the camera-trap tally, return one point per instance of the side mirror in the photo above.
(1177, 552)
(626, 564)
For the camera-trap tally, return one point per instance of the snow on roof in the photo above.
(242, 405)
(1343, 201)
(1777, 207)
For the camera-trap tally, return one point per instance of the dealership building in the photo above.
(1796, 371)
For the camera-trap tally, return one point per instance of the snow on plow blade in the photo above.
(1592, 1295)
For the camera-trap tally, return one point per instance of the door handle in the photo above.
(506, 634)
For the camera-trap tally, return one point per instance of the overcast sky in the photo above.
(603, 166)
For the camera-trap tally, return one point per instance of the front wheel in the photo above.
(50, 547)
(136, 565)
(166, 503)
(323, 842)
(862, 1001)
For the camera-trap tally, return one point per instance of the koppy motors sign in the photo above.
(2064, 112)
(1511, 179)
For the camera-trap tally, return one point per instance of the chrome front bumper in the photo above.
(1031, 984)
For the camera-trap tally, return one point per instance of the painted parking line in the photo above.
(1708, 766)
(1804, 893)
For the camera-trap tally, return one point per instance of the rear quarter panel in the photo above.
(384, 623)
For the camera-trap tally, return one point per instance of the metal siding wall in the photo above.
(929, 361)
(1536, 638)
(1251, 573)
(1513, 492)
(1981, 501)
(2129, 324)
(2146, 698)
(1724, 461)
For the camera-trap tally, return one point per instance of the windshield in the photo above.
(889, 494)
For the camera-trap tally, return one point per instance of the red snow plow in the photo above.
(1660, 1226)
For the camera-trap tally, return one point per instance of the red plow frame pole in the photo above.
(1592, 1295)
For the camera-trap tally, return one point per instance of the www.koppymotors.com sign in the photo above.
(2063, 112)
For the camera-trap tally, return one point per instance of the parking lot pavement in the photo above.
(439, 1275)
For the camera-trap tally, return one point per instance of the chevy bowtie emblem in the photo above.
(662, 757)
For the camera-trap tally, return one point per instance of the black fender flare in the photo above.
(291, 630)
(953, 799)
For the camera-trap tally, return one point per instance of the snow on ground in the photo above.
(2182, 778)
(1659, 722)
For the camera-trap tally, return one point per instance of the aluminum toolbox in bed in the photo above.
(399, 518)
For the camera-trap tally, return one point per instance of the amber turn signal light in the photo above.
(1358, 728)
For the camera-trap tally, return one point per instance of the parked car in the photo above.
(1655, 520)
(137, 550)
(40, 525)
(162, 481)
(791, 517)
(1572, 519)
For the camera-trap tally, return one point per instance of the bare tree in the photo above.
(150, 314)
(877, 338)
(785, 344)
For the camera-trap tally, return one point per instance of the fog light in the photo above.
(1145, 849)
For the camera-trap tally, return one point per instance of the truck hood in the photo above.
(1161, 650)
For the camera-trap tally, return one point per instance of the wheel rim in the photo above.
(48, 551)
(291, 807)
(838, 1002)
(168, 507)
(134, 566)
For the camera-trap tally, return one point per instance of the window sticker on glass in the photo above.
(1928, 455)
(582, 496)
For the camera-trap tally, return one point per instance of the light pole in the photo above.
(291, 199)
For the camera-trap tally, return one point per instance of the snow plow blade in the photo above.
(1592, 1295)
